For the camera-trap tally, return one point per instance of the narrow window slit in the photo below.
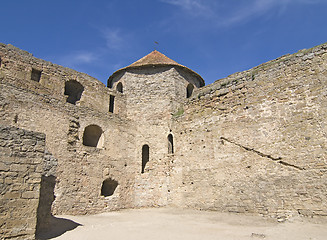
(170, 144)
(111, 103)
(145, 156)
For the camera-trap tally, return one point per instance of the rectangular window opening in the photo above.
(111, 103)
(36, 75)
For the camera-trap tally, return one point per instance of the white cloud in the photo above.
(84, 57)
(115, 38)
(256, 8)
(78, 58)
(186, 4)
(226, 13)
(195, 7)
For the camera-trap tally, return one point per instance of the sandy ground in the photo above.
(157, 224)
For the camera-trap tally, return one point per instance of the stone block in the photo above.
(30, 194)
(4, 166)
(11, 195)
(39, 148)
(19, 167)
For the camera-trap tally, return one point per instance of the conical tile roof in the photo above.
(156, 58)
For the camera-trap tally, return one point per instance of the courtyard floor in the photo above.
(176, 224)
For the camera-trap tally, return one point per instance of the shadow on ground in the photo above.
(56, 227)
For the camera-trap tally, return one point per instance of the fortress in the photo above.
(155, 136)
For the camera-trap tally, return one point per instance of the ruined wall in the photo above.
(21, 69)
(256, 141)
(81, 169)
(21, 166)
(42, 107)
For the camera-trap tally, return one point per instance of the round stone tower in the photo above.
(152, 89)
(154, 86)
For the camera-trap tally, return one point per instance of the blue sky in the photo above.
(215, 38)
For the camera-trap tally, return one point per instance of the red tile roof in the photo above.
(156, 58)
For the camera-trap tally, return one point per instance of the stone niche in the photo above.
(73, 91)
(93, 136)
(108, 187)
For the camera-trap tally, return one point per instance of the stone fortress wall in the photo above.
(256, 140)
(81, 169)
(252, 142)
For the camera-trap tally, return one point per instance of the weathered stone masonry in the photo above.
(256, 141)
(156, 136)
(21, 169)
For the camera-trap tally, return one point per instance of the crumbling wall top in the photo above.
(237, 78)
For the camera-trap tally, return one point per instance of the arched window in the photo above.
(170, 144)
(73, 90)
(119, 87)
(145, 156)
(108, 187)
(189, 90)
(93, 136)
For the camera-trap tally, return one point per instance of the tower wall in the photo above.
(152, 93)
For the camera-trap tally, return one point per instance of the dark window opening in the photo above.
(73, 90)
(92, 135)
(108, 187)
(145, 156)
(170, 144)
(35, 75)
(111, 103)
(16, 118)
(189, 90)
(110, 83)
(0, 61)
(119, 87)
